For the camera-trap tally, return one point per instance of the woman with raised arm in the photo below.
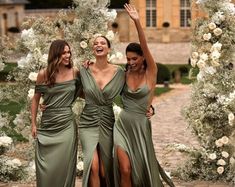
(56, 136)
(102, 82)
(135, 163)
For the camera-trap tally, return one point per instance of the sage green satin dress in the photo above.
(56, 143)
(133, 134)
(97, 121)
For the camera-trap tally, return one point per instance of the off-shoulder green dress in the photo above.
(97, 121)
(133, 134)
(56, 143)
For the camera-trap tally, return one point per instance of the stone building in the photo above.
(12, 14)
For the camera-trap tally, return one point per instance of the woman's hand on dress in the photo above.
(34, 131)
(132, 11)
(42, 107)
(150, 112)
(87, 63)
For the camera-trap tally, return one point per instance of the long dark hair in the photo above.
(54, 58)
(136, 48)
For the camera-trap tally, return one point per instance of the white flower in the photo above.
(116, 110)
(5, 141)
(97, 35)
(2, 66)
(212, 156)
(220, 170)
(110, 35)
(193, 62)
(83, 44)
(204, 57)
(31, 93)
(221, 162)
(15, 163)
(27, 34)
(201, 64)
(207, 36)
(195, 55)
(210, 70)
(216, 47)
(119, 55)
(24, 60)
(80, 165)
(212, 26)
(217, 31)
(225, 140)
(33, 76)
(200, 76)
(232, 161)
(215, 63)
(225, 154)
(44, 58)
(111, 15)
(219, 143)
(231, 118)
(215, 55)
(218, 17)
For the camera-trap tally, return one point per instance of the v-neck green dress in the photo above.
(97, 121)
(133, 134)
(56, 143)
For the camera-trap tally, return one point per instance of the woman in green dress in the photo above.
(56, 136)
(135, 163)
(102, 82)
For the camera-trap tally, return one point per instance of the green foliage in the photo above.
(163, 73)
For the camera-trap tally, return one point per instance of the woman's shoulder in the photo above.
(41, 77)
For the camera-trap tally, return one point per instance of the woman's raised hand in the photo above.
(132, 11)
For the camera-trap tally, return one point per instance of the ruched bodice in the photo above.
(97, 121)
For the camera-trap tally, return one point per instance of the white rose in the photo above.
(225, 140)
(215, 55)
(212, 26)
(31, 93)
(231, 118)
(193, 62)
(201, 64)
(210, 70)
(215, 63)
(33, 76)
(44, 58)
(232, 161)
(204, 57)
(97, 35)
(216, 47)
(83, 44)
(225, 154)
(212, 156)
(195, 55)
(217, 31)
(110, 35)
(220, 170)
(80, 165)
(207, 36)
(221, 162)
(5, 141)
(219, 143)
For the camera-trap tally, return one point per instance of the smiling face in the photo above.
(65, 57)
(134, 61)
(101, 46)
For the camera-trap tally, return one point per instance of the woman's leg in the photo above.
(124, 168)
(94, 179)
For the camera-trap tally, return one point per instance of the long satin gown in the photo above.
(56, 143)
(97, 121)
(133, 134)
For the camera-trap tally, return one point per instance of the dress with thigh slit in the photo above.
(133, 134)
(97, 121)
(56, 143)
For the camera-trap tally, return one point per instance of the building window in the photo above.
(151, 13)
(185, 13)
